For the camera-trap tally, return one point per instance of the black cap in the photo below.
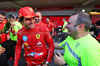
(98, 22)
(11, 16)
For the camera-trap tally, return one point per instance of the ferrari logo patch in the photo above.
(37, 36)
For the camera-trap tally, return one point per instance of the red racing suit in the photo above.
(50, 26)
(98, 37)
(34, 41)
(41, 24)
(3, 35)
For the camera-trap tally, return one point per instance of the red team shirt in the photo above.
(40, 24)
(35, 41)
(49, 26)
(3, 36)
(98, 37)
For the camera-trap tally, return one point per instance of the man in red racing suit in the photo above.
(35, 41)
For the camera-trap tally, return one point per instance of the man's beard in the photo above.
(36, 20)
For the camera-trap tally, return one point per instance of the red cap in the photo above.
(37, 15)
(27, 12)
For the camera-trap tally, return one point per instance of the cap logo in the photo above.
(28, 16)
(30, 9)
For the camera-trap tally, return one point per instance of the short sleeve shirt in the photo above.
(81, 52)
(17, 27)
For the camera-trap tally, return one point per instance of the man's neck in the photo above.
(48, 22)
(82, 34)
(64, 21)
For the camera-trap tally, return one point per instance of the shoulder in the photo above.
(21, 31)
(68, 39)
(16, 22)
(42, 28)
(89, 43)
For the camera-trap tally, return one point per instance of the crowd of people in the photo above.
(81, 49)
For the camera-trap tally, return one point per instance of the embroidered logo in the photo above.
(25, 44)
(39, 44)
(37, 36)
(25, 38)
(77, 45)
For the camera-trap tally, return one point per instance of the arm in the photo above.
(18, 49)
(59, 60)
(50, 45)
(15, 28)
(52, 31)
(12, 29)
(64, 28)
(56, 46)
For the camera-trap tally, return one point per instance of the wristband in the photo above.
(47, 62)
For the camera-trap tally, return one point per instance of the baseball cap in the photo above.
(37, 15)
(27, 12)
(98, 22)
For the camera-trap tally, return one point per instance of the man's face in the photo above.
(47, 19)
(11, 19)
(72, 30)
(29, 22)
(38, 18)
(2, 18)
(63, 20)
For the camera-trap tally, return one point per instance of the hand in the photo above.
(11, 28)
(60, 29)
(45, 64)
(2, 50)
(98, 27)
(59, 60)
(8, 37)
(13, 24)
(92, 32)
(10, 22)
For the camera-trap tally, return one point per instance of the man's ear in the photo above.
(80, 27)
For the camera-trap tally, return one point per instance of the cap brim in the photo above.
(30, 16)
(37, 15)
